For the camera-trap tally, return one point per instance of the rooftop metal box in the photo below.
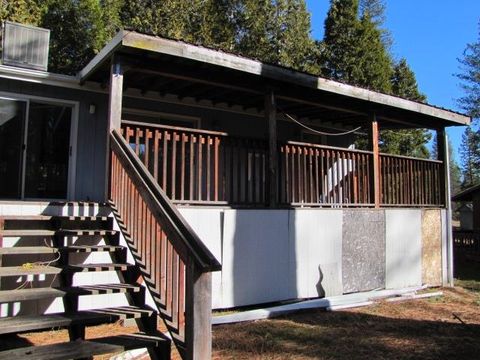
(25, 46)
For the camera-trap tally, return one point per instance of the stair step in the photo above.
(62, 232)
(52, 217)
(49, 270)
(17, 324)
(86, 348)
(24, 250)
(8, 296)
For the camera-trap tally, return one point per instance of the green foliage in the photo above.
(470, 155)
(79, 30)
(339, 51)
(404, 83)
(276, 32)
(21, 11)
(470, 77)
(405, 142)
(353, 51)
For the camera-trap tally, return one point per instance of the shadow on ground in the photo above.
(346, 335)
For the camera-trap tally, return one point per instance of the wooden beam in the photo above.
(198, 314)
(114, 114)
(442, 155)
(375, 172)
(271, 118)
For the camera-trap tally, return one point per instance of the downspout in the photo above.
(448, 224)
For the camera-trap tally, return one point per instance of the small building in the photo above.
(466, 216)
(180, 161)
(470, 209)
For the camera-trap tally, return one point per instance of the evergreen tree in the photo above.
(21, 11)
(339, 51)
(376, 10)
(455, 171)
(470, 78)
(353, 51)
(79, 30)
(406, 142)
(469, 152)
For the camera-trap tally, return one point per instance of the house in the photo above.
(191, 158)
(466, 216)
(467, 239)
(470, 197)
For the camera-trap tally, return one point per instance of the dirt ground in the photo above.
(434, 328)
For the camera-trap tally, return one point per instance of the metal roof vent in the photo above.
(25, 46)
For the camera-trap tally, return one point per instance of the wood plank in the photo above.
(87, 348)
(23, 323)
(271, 118)
(7, 296)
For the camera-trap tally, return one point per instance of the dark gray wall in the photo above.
(91, 137)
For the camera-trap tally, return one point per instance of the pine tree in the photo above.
(470, 155)
(79, 30)
(339, 47)
(353, 51)
(21, 11)
(376, 10)
(406, 142)
(470, 78)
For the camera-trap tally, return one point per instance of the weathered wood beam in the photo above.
(198, 314)
(375, 168)
(271, 118)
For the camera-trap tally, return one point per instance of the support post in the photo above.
(114, 112)
(271, 117)
(198, 314)
(375, 172)
(443, 155)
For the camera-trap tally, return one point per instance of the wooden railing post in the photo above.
(114, 113)
(271, 117)
(198, 314)
(442, 155)
(375, 168)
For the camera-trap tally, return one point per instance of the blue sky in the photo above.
(431, 35)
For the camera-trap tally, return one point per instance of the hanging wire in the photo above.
(317, 131)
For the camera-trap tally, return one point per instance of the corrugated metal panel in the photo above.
(25, 46)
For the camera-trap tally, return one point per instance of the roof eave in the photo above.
(139, 41)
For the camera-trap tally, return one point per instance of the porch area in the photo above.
(202, 167)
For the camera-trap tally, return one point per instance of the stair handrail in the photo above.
(203, 257)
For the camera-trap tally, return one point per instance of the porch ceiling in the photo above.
(153, 64)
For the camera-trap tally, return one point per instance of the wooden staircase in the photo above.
(42, 259)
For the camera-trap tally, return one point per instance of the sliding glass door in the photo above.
(34, 149)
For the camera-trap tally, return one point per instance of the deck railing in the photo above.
(174, 262)
(313, 175)
(209, 167)
(407, 181)
(205, 167)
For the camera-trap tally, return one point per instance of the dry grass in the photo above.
(434, 328)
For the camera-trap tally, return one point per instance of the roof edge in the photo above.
(135, 40)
